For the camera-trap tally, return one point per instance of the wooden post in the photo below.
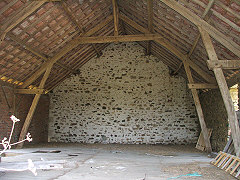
(33, 107)
(232, 117)
(150, 23)
(115, 17)
(199, 109)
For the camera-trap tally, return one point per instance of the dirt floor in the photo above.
(109, 161)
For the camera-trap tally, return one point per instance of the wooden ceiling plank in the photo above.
(70, 46)
(217, 35)
(40, 55)
(115, 17)
(172, 49)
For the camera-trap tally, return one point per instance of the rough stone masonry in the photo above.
(123, 97)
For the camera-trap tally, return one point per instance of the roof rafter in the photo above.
(217, 35)
(115, 17)
(150, 23)
(15, 19)
(38, 54)
(70, 46)
(80, 28)
(172, 49)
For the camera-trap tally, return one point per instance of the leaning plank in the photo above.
(224, 64)
(216, 34)
(199, 109)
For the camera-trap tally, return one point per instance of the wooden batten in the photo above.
(202, 86)
(224, 64)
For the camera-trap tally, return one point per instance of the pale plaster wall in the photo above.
(123, 97)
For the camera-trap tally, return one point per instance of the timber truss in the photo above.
(86, 37)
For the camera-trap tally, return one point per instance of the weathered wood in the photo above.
(70, 46)
(216, 34)
(202, 86)
(5, 97)
(232, 117)
(224, 64)
(172, 49)
(33, 106)
(30, 91)
(115, 17)
(198, 108)
(120, 38)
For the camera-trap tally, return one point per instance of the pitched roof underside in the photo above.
(48, 29)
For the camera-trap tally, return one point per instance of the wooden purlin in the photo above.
(232, 117)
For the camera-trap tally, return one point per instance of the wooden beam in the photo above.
(224, 64)
(42, 56)
(33, 106)
(205, 17)
(150, 23)
(5, 97)
(121, 38)
(13, 21)
(202, 86)
(30, 91)
(172, 49)
(70, 46)
(115, 17)
(216, 34)
(198, 108)
(232, 117)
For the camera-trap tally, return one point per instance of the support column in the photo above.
(198, 108)
(33, 107)
(232, 117)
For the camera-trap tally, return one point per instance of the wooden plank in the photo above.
(232, 117)
(12, 22)
(231, 165)
(70, 46)
(198, 108)
(235, 168)
(202, 86)
(33, 106)
(224, 64)
(30, 91)
(216, 34)
(120, 38)
(172, 49)
(115, 17)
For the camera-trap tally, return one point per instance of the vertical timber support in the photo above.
(232, 117)
(115, 17)
(150, 23)
(33, 107)
(198, 108)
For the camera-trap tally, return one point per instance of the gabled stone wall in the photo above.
(123, 97)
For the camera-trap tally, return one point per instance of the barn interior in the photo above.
(113, 89)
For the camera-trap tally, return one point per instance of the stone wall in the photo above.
(215, 117)
(123, 97)
(39, 126)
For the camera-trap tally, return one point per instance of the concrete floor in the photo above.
(98, 161)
